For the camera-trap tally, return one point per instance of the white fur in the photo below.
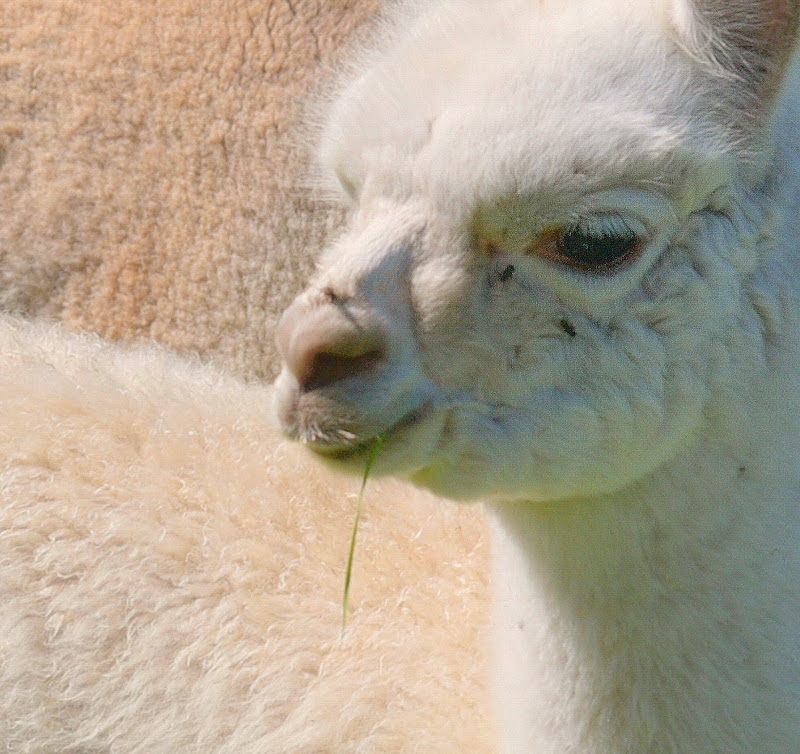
(636, 432)
(171, 573)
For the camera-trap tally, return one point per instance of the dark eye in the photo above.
(600, 244)
(592, 252)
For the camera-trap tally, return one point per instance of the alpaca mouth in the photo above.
(360, 446)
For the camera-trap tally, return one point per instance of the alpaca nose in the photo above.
(327, 344)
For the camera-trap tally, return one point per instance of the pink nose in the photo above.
(325, 344)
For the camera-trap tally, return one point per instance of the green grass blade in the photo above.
(373, 454)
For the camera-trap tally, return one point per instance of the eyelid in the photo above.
(608, 224)
(549, 245)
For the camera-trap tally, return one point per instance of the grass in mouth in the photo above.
(373, 454)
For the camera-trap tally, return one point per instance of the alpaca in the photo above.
(568, 288)
(171, 573)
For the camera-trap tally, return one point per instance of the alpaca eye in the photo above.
(589, 251)
(599, 244)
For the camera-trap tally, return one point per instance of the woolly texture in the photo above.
(570, 288)
(151, 167)
(172, 574)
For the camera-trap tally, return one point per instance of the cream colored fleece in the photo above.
(171, 574)
(151, 169)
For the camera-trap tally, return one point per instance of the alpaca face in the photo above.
(550, 229)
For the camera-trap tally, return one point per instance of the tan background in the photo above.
(151, 167)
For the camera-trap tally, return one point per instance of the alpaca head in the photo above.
(554, 242)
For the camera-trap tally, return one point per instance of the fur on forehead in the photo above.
(524, 89)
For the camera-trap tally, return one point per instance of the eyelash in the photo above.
(599, 244)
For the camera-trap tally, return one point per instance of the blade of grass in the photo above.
(373, 454)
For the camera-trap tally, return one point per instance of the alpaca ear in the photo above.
(747, 42)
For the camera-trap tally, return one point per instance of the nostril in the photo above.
(328, 368)
(323, 344)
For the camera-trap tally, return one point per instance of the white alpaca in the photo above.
(570, 288)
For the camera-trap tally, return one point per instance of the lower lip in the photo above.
(347, 452)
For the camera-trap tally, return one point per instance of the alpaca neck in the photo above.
(654, 619)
